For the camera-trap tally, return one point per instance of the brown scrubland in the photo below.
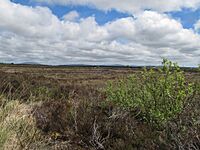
(58, 108)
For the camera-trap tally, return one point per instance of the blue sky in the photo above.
(188, 17)
(101, 17)
(128, 32)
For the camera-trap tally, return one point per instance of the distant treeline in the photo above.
(187, 69)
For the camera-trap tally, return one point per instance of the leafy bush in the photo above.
(158, 94)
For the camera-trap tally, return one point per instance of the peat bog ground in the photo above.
(45, 107)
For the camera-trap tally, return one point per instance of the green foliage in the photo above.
(159, 95)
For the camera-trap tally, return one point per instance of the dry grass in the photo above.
(18, 129)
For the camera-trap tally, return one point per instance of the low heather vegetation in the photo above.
(112, 109)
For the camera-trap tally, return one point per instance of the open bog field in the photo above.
(69, 75)
(45, 107)
(69, 79)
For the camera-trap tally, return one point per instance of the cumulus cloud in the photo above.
(197, 26)
(28, 21)
(71, 16)
(35, 34)
(131, 6)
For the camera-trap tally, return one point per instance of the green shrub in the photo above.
(158, 94)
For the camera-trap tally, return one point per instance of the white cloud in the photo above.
(28, 21)
(197, 26)
(35, 34)
(132, 6)
(71, 16)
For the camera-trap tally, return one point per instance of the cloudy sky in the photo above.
(128, 32)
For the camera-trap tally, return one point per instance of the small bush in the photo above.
(158, 94)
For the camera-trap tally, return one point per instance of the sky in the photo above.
(100, 32)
